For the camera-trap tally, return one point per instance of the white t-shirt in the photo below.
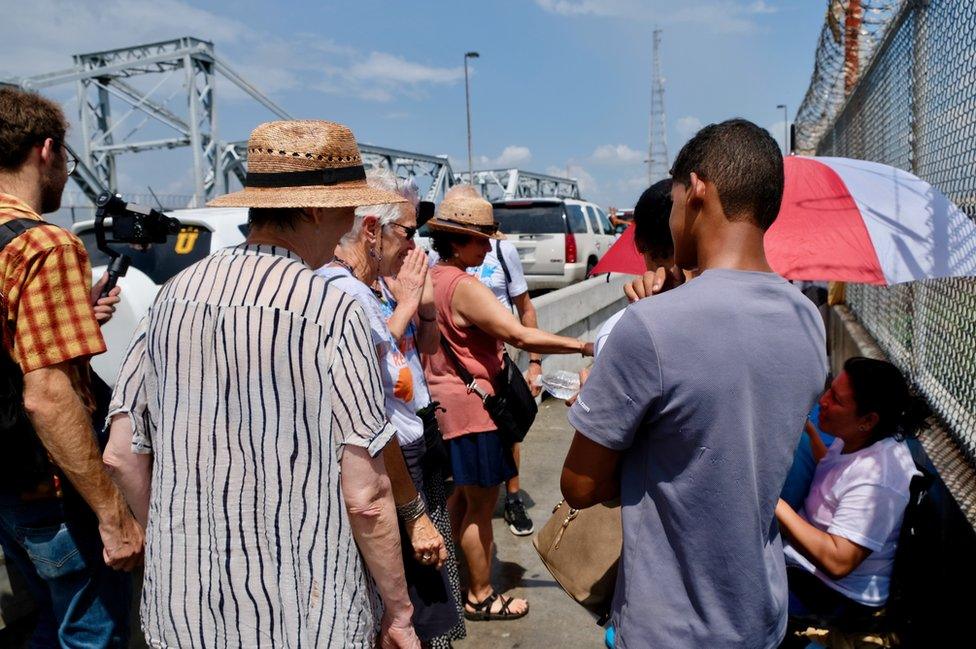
(408, 347)
(399, 385)
(490, 271)
(860, 496)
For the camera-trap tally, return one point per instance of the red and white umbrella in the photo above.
(853, 221)
(860, 221)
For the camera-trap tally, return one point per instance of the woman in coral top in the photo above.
(474, 326)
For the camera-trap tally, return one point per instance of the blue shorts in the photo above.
(481, 459)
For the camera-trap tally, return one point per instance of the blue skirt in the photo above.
(481, 459)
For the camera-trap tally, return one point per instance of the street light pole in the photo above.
(467, 104)
(786, 131)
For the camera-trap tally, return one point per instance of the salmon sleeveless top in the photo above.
(480, 353)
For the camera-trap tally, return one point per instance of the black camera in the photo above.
(132, 224)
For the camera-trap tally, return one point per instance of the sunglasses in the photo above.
(409, 231)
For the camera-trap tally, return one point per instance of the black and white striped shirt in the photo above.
(245, 380)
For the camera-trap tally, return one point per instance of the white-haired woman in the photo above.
(402, 319)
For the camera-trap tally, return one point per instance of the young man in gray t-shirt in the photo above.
(694, 408)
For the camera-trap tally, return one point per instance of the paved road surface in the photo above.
(554, 620)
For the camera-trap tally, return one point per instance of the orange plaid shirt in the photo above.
(45, 298)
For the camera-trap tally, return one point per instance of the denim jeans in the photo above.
(55, 545)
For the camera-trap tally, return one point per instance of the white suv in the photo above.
(558, 240)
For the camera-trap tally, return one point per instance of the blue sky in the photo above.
(560, 85)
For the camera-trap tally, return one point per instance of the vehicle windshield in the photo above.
(160, 261)
(531, 218)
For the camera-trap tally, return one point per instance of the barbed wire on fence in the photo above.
(914, 108)
(833, 70)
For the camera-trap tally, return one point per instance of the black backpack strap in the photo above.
(14, 228)
(508, 275)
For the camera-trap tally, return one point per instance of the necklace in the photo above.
(344, 264)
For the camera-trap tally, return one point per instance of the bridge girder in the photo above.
(102, 77)
(506, 184)
(432, 174)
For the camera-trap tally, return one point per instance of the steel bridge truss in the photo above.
(505, 184)
(432, 174)
(114, 112)
(103, 88)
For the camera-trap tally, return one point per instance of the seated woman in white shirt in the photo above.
(841, 544)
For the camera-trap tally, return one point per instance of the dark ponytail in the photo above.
(881, 388)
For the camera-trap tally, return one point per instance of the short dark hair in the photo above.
(651, 229)
(881, 388)
(744, 163)
(443, 242)
(285, 218)
(26, 120)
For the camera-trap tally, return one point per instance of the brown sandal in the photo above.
(482, 610)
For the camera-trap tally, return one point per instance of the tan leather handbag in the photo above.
(581, 548)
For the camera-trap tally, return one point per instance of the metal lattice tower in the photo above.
(658, 164)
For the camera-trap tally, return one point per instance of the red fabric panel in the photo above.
(819, 233)
(621, 257)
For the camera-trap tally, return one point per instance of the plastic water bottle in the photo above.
(561, 384)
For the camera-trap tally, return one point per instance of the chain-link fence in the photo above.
(914, 107)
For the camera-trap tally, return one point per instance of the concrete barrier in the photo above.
(577, 311)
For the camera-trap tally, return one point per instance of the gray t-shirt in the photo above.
(704, 389)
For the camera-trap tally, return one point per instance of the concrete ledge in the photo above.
(577, 311)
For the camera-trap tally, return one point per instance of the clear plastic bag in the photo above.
(561, 384)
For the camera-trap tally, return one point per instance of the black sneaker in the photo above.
(518, 521)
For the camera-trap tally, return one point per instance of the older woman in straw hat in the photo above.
(401, 315)
(251, 384)
(474, 326)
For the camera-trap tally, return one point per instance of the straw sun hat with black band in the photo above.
(466, 215)
(304, 163)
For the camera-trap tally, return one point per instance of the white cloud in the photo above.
(761, 7)
(388, 68)
(583, 7)
(722, 16)
(43, 34)
(616, 154)
(511, 156)
(587, 183)
(686, 127)
(634, 184)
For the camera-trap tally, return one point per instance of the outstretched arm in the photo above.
(476, 304)
(528, 317)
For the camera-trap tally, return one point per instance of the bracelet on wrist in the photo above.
(535, 361)
(412, 510)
